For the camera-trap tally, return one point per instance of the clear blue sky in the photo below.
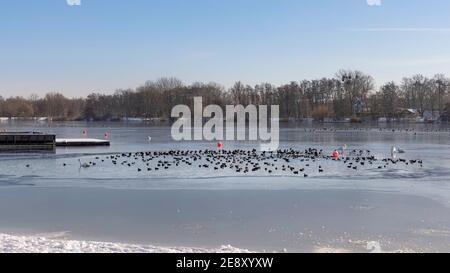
(103, 45)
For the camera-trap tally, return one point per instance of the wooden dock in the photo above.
(26, 141)
(23, 141)
(81, 142)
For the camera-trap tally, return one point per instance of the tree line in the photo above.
(348, 94)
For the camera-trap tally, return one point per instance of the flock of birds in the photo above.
(386, 130)
(282, 162)
(291, 162)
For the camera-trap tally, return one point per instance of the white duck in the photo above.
(83, 165)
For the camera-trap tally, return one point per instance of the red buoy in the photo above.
(219, 145)
(335, 154)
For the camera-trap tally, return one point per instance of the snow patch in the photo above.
(43, 244)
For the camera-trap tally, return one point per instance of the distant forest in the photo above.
(348, 94)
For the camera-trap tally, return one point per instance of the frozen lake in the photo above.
(404, 207)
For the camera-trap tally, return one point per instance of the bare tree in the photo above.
(349, 93)
(389, 99)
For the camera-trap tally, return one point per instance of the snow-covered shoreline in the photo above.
(43, 244)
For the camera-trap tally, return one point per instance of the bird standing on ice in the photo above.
(83, 165)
